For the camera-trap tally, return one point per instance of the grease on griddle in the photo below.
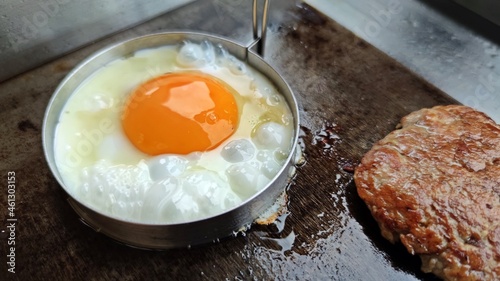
(349, 165)
(327, 137)
(278, 236)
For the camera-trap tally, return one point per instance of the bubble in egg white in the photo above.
(238, 151)
(245, 179)
(273, 100)
(183, 199)
(157, 199)
(286, 119)
(270, 166)
(208, 49)
(271, 135)
(280, 154)
(220, 54)
(118, 188)
(191, 55)
(209, 191)
(125, 208)
(235, 66)
(206, 187)
(183, 205)
(163, 166)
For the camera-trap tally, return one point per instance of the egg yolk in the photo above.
(180, 113)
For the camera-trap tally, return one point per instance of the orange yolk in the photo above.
(180, 113)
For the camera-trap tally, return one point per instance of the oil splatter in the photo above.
(348, 165)
(327, 137)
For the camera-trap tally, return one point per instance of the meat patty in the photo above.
(434, 185)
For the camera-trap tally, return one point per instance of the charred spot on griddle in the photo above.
(26, 125)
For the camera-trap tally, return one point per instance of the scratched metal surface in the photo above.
(350, 95)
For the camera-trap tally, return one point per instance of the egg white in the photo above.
(102, 169)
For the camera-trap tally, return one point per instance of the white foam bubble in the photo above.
(238, 151)
(270, 165)
(271, 135)
(119, 188)
(163, 166)
(191, 55)
(245, 180)
(157, 200)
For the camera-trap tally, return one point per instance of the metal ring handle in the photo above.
(259, 39)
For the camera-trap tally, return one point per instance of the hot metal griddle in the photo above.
(350, 95)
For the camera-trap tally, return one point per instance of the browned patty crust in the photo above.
(434, 185)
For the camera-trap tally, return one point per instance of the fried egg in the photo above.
(172, 134)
